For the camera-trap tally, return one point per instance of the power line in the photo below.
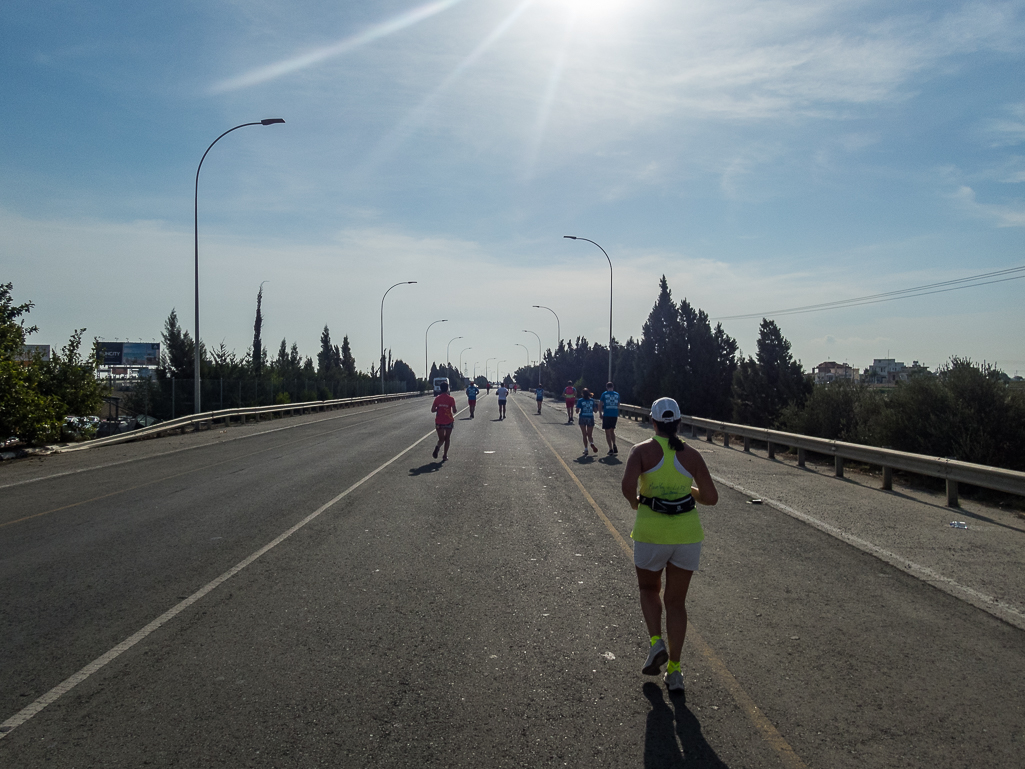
(1015, 273)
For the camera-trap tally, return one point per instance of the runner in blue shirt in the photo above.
(585, 405)
(609, 406)
(471, 397)
(540, 393)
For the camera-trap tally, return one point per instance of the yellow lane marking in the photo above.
(179, 475)
(772, 736)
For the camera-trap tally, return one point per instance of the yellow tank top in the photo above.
(666, 480)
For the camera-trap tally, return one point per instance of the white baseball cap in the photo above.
(665, 410)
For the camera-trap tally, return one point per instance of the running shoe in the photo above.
(594, 448)
(611, 451)
(657, 657)
(674, 681)
(436, 448)
(615, 449)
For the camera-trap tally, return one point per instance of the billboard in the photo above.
(128, 353)
(30, 351)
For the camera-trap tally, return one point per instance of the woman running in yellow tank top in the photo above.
(664, 479)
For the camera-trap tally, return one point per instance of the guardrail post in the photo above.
(802, 455)
(747, 444)
(708, 435)
(952, 493)
(772, 450)
(839, 467)
(725, 440)
(887, 479)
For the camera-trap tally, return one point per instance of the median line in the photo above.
(72, 681)
(787, 755)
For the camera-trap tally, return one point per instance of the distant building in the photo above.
(830, 371)
(887, 371)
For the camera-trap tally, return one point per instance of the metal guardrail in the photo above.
(950, 470)
(228, 415)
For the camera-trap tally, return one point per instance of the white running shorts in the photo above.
(653, 557)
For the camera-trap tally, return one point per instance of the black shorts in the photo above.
(609, 423)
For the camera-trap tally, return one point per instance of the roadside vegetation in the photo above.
(35, 394)
(967, 411)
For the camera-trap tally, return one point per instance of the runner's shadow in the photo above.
(430, 467)
(674, 739)
(611, 459)
(582, 460)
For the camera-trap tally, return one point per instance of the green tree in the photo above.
(658, 354)
(966, 412)
(259, 354)
(36, 395)
(326, 356)
(764, 386)
(71, 378)
(348, 363)
(841, 410)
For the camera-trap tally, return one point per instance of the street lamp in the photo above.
(403, 283)
(498, 371)
(266, 121)
(461, 360)
(574, 237)
(427, 371)
(448, 349)
(486, 367)
(558, 325)
(524, 350)
(540, 357)
(476, 363)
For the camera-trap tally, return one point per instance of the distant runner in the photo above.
(586, 406)
(571, 399)
(609, 407)
(471, 397)
(540, 395)
(502, 392)
(444, 408)
(667, 532)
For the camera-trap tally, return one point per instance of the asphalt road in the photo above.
(318, 591)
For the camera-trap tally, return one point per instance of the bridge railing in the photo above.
(950, 470)
(228, 415)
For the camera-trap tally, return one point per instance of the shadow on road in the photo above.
(430, 467)
(610, 459)
(673, 739)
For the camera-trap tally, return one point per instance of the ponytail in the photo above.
(668, 430)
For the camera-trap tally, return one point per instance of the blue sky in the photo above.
(762, 155)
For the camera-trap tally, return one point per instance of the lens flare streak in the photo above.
(376, 32)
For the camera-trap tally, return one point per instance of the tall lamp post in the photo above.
(539, 356)
(524, 350)
(558, 325)
(403, 283)
(574, 237)
(427, 371)
(266, 121)
(448, 350)
(461, 359)
(475, 364)
(498, 371)
(486, 367)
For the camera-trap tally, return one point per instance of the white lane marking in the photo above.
(72, 681)
(980, 600)
(190, 448)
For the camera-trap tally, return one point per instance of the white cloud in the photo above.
(1003, 215)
